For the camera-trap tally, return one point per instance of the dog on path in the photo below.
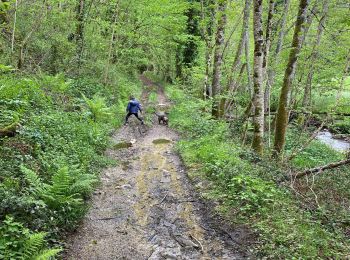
(162, 118)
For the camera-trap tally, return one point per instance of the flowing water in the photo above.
(327, 138)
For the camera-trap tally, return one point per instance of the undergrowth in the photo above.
(50, 155)
(288, 226)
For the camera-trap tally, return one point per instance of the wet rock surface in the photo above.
(146, 208)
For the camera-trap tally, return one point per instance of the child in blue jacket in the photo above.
(132, 109)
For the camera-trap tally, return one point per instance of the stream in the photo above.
(327, 138)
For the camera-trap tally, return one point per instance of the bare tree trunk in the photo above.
(232, 84)
(80, 30)
(207, 34)
(249, 73)
(219, 42)
(283, 26)
(266, 54)
(314, 56)
(207, 88)
(282, 112)
(308, 22)
(258, 120)
(14, 27)
(271, 73)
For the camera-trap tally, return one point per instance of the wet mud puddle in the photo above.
(164, 208)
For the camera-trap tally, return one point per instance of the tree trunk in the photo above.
(206, 32)
(308, 22)
(80, 30)
(232, 84)
(314, 56)
(271, 73)
(219, 42)
(14, 27)
(258, 120)
(249, 73)
(283, 25)
(207, 88)
(111, 44)
(266, 54)
(282, 112)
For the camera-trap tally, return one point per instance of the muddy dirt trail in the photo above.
(146, 207)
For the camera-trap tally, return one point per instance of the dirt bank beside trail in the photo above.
(146, 208)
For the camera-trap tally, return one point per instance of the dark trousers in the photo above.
(129, 114)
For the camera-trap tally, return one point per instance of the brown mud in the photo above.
(147, 208)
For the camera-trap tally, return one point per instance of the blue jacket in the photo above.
(133, 106)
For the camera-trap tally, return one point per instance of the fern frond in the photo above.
(61, 182)
(47, 254)
(59, 193)
(97, 107)
(33, 244)
(83, 185)
(36, 185)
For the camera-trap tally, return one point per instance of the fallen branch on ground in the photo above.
(110, 218)
(198, 242)
(322, 168)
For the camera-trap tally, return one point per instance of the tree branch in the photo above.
(320, 169)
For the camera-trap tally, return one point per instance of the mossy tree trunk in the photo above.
(258, 120)
(282, 112)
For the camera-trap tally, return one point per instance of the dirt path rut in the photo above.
(146, 208)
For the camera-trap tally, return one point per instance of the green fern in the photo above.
(65, 188)
(47, 254)
(33, 244)
(61, 182)
(83, 184)
(18, 242)
(59, 193)
(97, 108)
(36, 186)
